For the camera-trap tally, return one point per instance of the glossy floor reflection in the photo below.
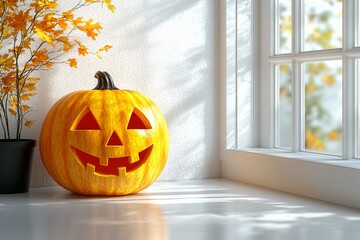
(203, 209)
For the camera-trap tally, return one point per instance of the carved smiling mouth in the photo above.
(113, 163)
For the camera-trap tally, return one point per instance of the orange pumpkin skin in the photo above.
(104, 142)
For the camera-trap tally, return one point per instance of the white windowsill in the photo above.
(327, 178)
(306, 156)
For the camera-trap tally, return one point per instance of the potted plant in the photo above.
(34, 36)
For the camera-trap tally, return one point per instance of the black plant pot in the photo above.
(15, 165)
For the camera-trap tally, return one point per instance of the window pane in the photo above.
(284, 106)
(323, 106)
(284, 21)
(322, 24)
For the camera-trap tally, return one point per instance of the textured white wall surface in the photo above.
(166, 49)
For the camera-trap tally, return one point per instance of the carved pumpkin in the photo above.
(104, 141)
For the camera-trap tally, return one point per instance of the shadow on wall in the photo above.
(185, 34)
(168, 50)
(239, 75)
(42, 102)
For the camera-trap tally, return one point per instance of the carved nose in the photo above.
(114, 140)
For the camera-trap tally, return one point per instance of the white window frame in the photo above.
(324, 177)
(297, 58)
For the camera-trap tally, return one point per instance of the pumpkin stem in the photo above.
(105, 82)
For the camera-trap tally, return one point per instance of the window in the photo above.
(289, 91)
(313, 54)
(307, 84)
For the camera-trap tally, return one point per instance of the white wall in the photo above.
(166, 49)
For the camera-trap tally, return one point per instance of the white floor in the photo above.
(204, 209)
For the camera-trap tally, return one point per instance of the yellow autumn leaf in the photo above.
(12, 111)
(25, 108)
(333, 135)
(13, 101)
(6, 89)
(67, 46)
(98, 55)
(310, 87)
(20, 20)
(91, 28)
(313, 141)
(49, 64)
(62, 23)
(52, 5)
(48, 17)
(9, 79)
(68, 14)
(28, 123)
(77, 22)
(30, 87)
(27, 42)
(82, 50)
(329, 80)
(44, 3)
(43, 36)
(40, 57)
(72, 62)
(26, 96)
(105, 48)
(284, 68)
(33, 79)
(110, 6)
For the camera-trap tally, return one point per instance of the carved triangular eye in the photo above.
(138, 120)
(88, 122)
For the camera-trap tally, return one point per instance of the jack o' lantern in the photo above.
(104, 141)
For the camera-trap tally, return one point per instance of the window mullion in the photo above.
(271, 100)
(297, 119)
(356, 108)
(356, 8)
(297, 116)
(348, 76)
(297, 27)
(348, 111)
(348, 33)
